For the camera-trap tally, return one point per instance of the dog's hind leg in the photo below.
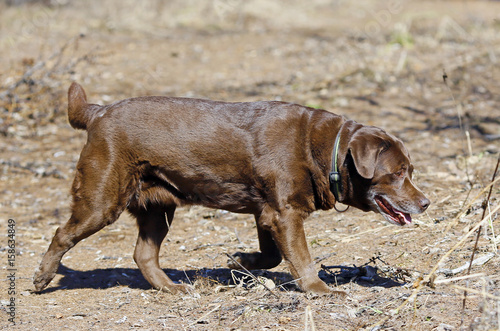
(79, 226)
(94, 207)
(268, 257)
(153, 228)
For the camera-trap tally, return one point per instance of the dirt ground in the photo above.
(379, 63)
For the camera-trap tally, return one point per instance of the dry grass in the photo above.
(379, 65)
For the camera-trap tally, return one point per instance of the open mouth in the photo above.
(392, 214)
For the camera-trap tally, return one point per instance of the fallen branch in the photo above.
(449, 280)
(479, 261)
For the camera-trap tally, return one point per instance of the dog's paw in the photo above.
(321, 289)
(41, 280)
(236, 261)
(338, 295)
(177, 289)
(254, 260)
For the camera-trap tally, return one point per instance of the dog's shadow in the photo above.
(366, 276)
(132, 277)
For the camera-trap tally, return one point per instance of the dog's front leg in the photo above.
(287, 229)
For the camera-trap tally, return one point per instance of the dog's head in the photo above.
(380, 176)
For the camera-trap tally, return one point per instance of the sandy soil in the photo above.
(380, 64)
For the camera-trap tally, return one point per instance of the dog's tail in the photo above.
(80, 113)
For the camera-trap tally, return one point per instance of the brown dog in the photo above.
(270, 159)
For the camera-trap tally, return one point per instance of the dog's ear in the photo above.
(365, 147)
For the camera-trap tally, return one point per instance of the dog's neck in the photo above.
(346, 130)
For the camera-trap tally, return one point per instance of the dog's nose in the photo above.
(424, 203)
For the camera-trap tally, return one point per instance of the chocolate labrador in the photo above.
(275, 160)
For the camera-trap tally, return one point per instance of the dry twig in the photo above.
(309, 320)
(251, 275)
(478, 234)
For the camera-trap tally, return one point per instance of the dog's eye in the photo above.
(400, 173)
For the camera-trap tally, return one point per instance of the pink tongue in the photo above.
(406, 217)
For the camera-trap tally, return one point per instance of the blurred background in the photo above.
(335, 54)
(426, 71)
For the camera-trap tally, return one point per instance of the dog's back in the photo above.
(207, 112)
(220, 154)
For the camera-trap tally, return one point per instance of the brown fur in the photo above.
(270, 159)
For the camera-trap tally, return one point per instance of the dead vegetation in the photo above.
(376, 64)
(34, 96)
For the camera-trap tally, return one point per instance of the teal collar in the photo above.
(335, 184)
(334, 175)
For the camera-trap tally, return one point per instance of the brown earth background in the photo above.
(379, 63)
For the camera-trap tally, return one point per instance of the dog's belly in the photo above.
(157, 187)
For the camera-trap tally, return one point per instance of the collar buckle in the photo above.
(334, 177)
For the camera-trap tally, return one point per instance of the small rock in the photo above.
(121, 320)
(284, 320)
(444, 327)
